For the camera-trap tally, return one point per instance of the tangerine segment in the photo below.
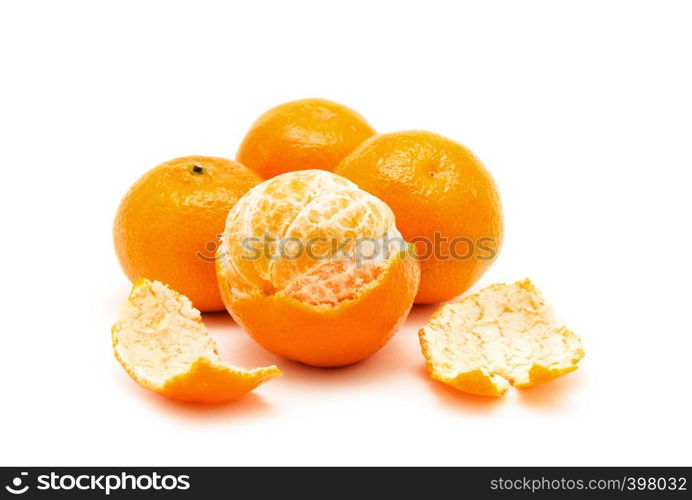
(302, 135)
(503, 335)
(296, 222)
(342, 291)
(162, 344)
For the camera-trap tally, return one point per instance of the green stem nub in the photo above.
(197, 170)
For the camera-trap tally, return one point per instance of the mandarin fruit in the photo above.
(302, 135)
(167, 225)
(444, 200)
(315, 270)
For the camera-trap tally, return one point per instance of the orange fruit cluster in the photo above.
(317, 240)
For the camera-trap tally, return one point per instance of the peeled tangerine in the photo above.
(503, 335)
(162, 344)
(315, 269)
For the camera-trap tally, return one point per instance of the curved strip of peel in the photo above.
(163, 345)
(503, 335)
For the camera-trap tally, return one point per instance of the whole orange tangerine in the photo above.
(167, 225)
(302, 135)
(444, 200)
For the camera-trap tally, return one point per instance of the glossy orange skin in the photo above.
(302, 135)
(434, 185)
(329, 336)
(167, 225)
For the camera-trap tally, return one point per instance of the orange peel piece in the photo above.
(163, 345)
(501, 336)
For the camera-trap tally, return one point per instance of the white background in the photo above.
(582, 111)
